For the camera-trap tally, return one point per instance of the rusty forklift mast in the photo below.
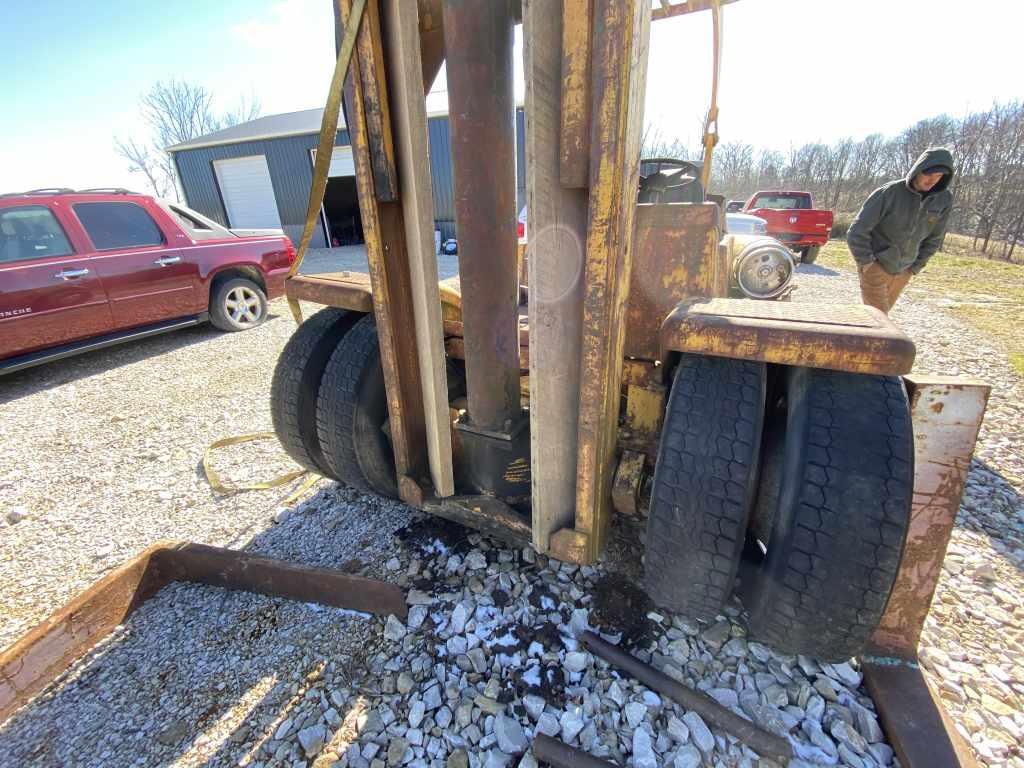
(415, 388)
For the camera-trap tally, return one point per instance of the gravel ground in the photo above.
(202, 676)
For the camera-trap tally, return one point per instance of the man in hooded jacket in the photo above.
(900, 227)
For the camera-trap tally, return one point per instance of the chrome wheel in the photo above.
(243, 306)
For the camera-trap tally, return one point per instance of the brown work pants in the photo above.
(880, 289)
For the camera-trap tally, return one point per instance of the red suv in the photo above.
(83, 270)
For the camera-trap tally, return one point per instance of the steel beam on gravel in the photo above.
(946, 413)
(38, 658)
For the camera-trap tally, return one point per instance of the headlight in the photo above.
(763, 269)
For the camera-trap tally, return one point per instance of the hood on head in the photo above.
(933, 156)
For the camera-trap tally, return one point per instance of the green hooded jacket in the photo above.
(898, 226)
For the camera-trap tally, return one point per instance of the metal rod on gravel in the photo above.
(561, 755)
(764, 743)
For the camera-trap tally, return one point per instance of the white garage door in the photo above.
(248, 194)
(342, 163)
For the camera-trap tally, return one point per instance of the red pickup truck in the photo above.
(84, 270)
(793, 219)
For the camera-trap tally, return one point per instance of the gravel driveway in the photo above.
(101, 458)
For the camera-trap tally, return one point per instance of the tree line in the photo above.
(988, 190)
(173, 113)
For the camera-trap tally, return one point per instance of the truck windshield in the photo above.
(782, 201)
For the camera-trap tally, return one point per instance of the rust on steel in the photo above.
(946, 414)
(574, 129)
(384, 233)
(486, 514)
(561, 755)
(842, 337)
(431, 40)
(456, 348)
(914, 720)
(40, 656)
(628, 478)
(377, 109)
(345, 290)
(675, 257)
(234, 569)
(478, 48)
(618, 77)
(641, 373)
(764, 743)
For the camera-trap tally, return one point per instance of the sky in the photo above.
(794, 71)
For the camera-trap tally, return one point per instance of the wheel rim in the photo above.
(243, 306)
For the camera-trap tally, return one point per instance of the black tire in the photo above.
(705, 482)
(222, 315)
(809, 254)
(841, 516)
(352, 410)
(296, 383)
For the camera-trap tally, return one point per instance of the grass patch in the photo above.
(988, 295)
(1017, 361)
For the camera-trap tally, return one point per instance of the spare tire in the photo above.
(820, 583)
(296, 382)
(704, 483)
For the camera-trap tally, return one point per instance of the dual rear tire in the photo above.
(801, 476)
(328, 402)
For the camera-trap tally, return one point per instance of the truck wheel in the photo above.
(820, 583)
(352, 412)
(293, 390)
(238, 305)
(704, 483)
(809, 254)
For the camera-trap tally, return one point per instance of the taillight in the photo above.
(520, 230)
(289, 251)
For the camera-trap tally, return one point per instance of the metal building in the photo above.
(257, 175)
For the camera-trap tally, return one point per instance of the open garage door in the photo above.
(247, 193)
(340, 211)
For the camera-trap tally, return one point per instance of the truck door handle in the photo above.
(72, 274)
(163, 261)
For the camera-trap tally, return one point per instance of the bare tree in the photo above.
(176, 112)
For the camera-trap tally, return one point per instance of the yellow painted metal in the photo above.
(841, 337)
(574, 147)
(644, 409)
(384, 233)
(621, 36)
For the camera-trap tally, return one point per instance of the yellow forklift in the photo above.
(769, 445)
(601, 369)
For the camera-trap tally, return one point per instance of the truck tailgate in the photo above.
(795, 221)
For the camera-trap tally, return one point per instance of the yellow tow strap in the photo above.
(325, 148)
(328, 134)
(711, 123)
(214, 479)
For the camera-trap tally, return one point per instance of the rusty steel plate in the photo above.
(345, 290)
(675, 257)
(40, 656)
(863, 340)
(830, 314)
(913, 717)
(946, 414)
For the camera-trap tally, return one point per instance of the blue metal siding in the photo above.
(441, 171)
(291, 174)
